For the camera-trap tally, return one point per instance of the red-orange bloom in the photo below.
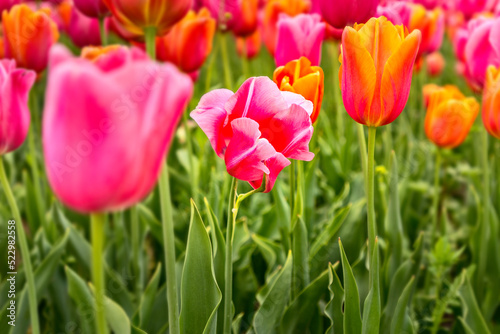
(189, 42)
(450, 116)
(137, 15)
(430, 24)
(491, 102)
(377, 65)
(298, 76)
(249, 47)
(28, 36)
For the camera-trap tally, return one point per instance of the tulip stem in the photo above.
(136, 251)
(292, 189)
(97, 223)
(25, 252)
(362, 149)
(169, 247)
(245, 61)
(370, 192)
(232, 211)
(102, 30)
(334, 53)
(194, 181)
(150, 38)
(437, 192)
(225, 60)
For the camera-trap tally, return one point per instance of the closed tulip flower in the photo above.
(298, 76)
(92, 8)
(347, 12)
(28, 36)
(82, 30)
(491, 102)
(375, 82)
(249, 47)
(189, 42)
(450, 116)
(239, 16)
(137, 15)
(257, 129)
(435, 63)
(431, 25)
(299, 36)
(15, 84)
(104, 144)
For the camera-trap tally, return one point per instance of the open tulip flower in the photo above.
(116, 133)
(299, 36)
(189, 42)
(491, 102)
(28, 36)
(450, 116)
(137, 15)
(15, 84)
(375, 81)
(298, 76)
(257, 129)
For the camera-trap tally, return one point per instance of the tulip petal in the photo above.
(275, 164)
(298, 99)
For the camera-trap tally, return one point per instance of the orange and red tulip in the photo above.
(491, 102)
(450, 116)
(298, 76)
(29, 34)
(377, 65)
(189, 42)
(431, 25)
(249, 47)
(435, 63)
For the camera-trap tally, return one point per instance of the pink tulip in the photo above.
(15, 84)
(7, 4)
(107, 126)
(92, 8)
(299, 36)
(345, 12)
(257, 129)
(82, 30)
(470, 7)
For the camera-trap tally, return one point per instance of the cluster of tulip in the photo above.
(110, 113)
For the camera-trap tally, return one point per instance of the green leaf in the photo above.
(298, 315)
(471, 312)
(300, 271)
(442, 304)
(116, 317)
(398, 320)
(371, 310)
(200, 294)
(268, 315)
(352, 313)
(148, 297)
(84, 301)
(333, 309)
(267, 250)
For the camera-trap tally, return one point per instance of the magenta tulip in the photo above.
(107, 126)
(82, 30)
(15, 84)
(345, 12)
(92, 8)
(7, 4)
(257, 129)
(299, 36)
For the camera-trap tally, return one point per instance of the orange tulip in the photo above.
(430, 24)
(189, 42)
(450, 116)
(298, 76)
(272, 12)
(249, 47)
(137, 15)
(430, 89)
(377, 65)
(435, 63)
(93, 53)
(491, 102)
(29, 35)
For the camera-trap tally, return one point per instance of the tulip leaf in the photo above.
(148, 297)
(116, 317)
(268, 316)
(83, 299)
(300, 271)
(371, 310)
(333, 309)
(298, 315)
(200, 294)
(400, 313)
(471, 312)
(352, 313)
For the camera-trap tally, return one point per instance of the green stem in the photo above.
(194, 181)
(244, 60)
(97, 222)
(292, 188)
(337, 98)
(228, 270)
(136, 241)
(437, 192)
(25, 252)
(150, 38)
(169, 244)
(362, 149)
(102, 30)
(370, 186)
(208, 78)
(225, 59)
(485, 223)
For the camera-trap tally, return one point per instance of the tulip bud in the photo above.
(249, 47)
(491, 102)
(435, 63)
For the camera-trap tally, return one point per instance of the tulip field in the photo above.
(250, 166)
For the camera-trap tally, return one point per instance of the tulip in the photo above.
(137, 15)
(7, 4)
(491, 102)
(28, 36)
(115, 134)
(435, 63)
(249, 47)
(470, 7)
(347, 12)
(450, 116)
(298, 76)
(271, 15)
(92, 8)
(82, 30)
(257, 129)
(189, 42)
(15, 84)
(299, 36)
(375, 82)
(430, 24)
(239, 16)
